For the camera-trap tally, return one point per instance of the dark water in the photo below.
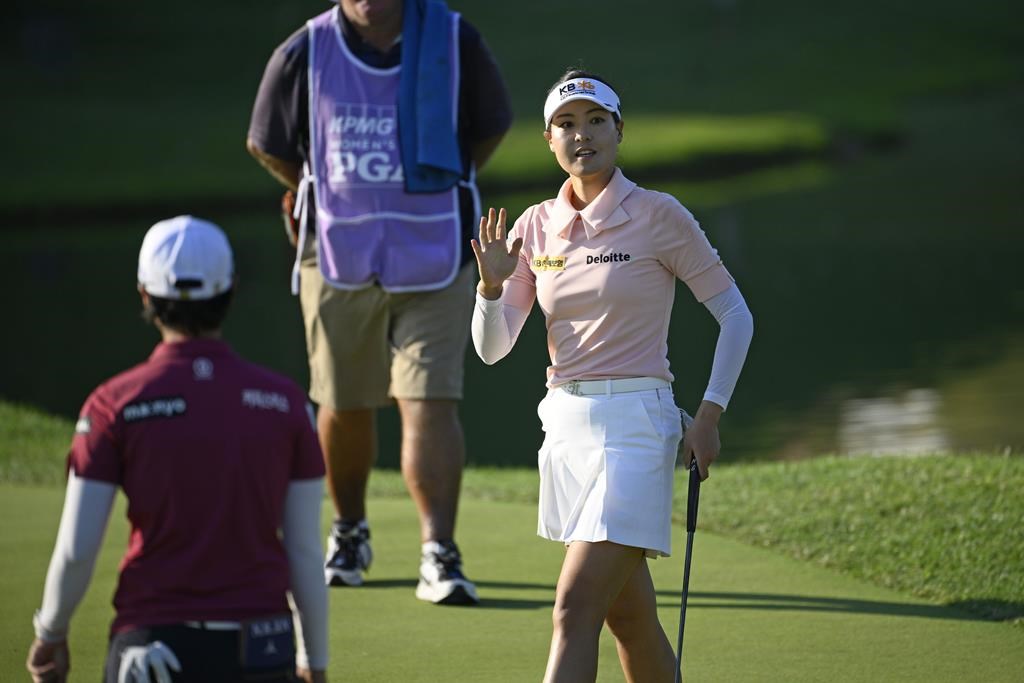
(887, 295)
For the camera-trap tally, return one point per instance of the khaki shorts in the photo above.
(367, 346)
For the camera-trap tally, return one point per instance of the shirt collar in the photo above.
(191, 348)
(366, 52)
(604, 213)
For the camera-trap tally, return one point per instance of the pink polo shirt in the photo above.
(605, 278)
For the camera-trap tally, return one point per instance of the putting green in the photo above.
(753, 615)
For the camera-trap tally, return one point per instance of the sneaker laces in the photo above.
(348, 537)
(448, 558)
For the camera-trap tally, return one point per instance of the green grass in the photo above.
(944, 528)
(114, 111)
(753, 615)
(665, 144)
(32, 445)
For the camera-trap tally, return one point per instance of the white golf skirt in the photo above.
(606, 468)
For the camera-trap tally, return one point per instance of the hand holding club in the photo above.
(701, 441)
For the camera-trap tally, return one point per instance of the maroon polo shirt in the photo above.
(204, 445)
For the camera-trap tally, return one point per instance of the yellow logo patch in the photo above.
(548, 263)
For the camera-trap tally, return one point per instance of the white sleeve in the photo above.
(87, 505)
(496, 328)
(301, 538)
(737, 328)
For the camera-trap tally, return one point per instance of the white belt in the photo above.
(612, 386)
(215, 625)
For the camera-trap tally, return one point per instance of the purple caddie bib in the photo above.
(369, 229)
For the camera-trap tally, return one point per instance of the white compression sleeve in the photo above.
(83, 522)
(495, 328)
(301, 532)
(736, 329)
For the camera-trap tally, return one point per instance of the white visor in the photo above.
(580, 89)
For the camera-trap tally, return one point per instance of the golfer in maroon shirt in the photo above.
(224, 479)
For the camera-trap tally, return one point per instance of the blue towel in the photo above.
(431, 159)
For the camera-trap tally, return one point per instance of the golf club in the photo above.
(692, 497)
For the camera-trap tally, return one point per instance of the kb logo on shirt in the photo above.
(543, 263)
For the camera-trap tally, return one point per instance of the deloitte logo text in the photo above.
(608, 258)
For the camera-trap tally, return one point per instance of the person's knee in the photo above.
(630, 622)
(344, 416)
(626, 624)
(577, 610)
(431, 421)
(333, 423)
(427, 411)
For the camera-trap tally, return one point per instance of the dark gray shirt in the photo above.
(280, 117)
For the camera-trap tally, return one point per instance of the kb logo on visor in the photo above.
(585, 87)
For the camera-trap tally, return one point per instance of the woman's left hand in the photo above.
(701, 441)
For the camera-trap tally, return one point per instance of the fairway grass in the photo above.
(753, 614)
(947, 528)
(32, 445)
(944, 528)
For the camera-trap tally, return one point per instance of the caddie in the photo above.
(378, 115)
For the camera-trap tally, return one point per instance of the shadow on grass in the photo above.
(386, 583)
(485, 601)
(516, 603)
(966, 610)
(963, 611)
(994, 610)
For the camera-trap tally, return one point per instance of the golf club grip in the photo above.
(693, 497)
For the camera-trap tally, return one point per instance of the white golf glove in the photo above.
(137, 661)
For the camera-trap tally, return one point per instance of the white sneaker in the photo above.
(348, 554)
(441, 579)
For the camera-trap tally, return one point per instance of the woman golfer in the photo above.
(602, 258)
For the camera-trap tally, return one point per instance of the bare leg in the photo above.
(433, 453)
(644, 650)
(593, 575)
(349, 442)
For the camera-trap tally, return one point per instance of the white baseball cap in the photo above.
(581, 89)
(186, 258)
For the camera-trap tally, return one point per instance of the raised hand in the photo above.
(493, 257)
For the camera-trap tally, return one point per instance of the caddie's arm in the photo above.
(87, 505)
(285, 172)
(301, 539)
(484, 149)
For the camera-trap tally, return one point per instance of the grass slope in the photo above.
(32, 445)
(753, 615)
(943, 528)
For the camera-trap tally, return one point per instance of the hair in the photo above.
(193, 318)
(578, 72)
